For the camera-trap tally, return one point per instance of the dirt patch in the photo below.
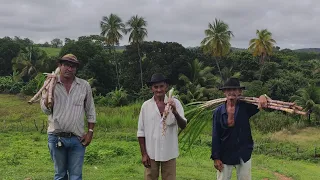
(279, 177)
(282, 177)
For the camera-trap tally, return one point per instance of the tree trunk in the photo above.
(114, 59)
(217, 63)
(140, 61)
(262, 66)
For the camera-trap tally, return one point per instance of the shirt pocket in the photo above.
(79, 100)
(171, 120)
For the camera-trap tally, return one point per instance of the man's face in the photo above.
(159, 89)
(68, 69)
(232, 94)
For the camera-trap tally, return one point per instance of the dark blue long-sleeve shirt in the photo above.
(229, 144)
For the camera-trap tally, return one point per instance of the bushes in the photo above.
(34, 85)
(8, 85)
(273, 121)
(113, 98)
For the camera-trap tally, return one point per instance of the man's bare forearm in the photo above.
(181, 122)
(142, 143)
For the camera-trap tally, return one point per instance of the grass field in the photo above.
(114, 151)
(51, 51)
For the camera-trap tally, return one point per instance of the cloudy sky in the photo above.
(294, 23)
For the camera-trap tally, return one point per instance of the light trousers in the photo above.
(243, 171)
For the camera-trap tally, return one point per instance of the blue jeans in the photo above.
(68, 158)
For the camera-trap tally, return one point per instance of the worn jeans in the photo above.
(68, 159)
(243, 171)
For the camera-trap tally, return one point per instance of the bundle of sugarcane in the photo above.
(47, 88)
(199, 114)
(165, 113)
(289, 107)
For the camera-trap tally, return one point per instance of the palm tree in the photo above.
(28, 62)
(137, 28)
(309, 99)
(110, 28)
(262, 46)
(197, 82)
(199, 74)
(217, 40)
(228, 73)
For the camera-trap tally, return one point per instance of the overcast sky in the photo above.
(294, 23)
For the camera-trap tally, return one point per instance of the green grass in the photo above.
(51, 51)
(114, 151)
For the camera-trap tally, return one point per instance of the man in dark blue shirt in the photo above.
(232, 142)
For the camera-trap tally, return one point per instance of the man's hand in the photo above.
(218, 164)
(146, 160)
(263, 102)
(86, 139)
(173, 106)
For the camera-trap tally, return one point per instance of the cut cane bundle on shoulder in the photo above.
(199, 115)
(47, 89)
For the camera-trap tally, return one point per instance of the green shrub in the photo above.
(272, 121)
(34, 85)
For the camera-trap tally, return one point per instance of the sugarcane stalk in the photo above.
(289, 107)
(50, 92)
(48, 86)
(34, 98)
(166, 112)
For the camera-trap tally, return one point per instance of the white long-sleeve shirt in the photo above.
(159, 147)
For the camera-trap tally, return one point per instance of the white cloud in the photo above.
(294, 23)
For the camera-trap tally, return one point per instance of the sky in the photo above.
(294, 24)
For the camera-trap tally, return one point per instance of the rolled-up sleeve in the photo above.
(44, 108)
(89, 106)
(216, 129)
(140, 132)
(180, 109)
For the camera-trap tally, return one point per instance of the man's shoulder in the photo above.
(219, 108)
(82, 81)
(176, 100)
(147, 102)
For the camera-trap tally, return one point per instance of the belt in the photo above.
(64, 134)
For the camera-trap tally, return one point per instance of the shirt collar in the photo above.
(77, 80)
(224, 108)
(165, 99)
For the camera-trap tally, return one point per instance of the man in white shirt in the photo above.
(158, 141)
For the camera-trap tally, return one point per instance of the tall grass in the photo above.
(17, 115)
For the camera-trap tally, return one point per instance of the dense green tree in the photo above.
(8, 50)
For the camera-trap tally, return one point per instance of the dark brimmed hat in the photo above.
(232, 83)
(70, 58)
(156, 78)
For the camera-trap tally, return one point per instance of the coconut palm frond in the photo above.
(199, 114)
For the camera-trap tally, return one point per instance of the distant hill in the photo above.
(315, 50)
(232, 48)
(51, 51)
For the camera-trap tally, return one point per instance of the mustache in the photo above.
(233, 94)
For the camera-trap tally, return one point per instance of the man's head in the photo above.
(159, 85)
(68, 65)
(232, 89)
